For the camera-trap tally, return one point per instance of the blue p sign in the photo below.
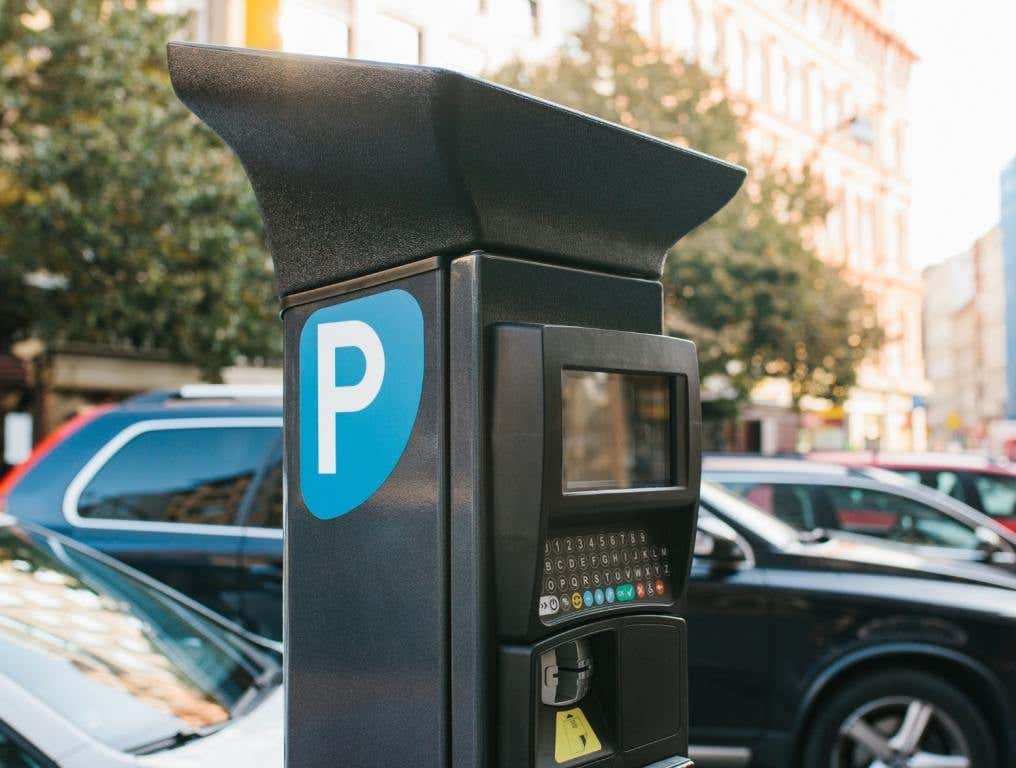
(361, 375)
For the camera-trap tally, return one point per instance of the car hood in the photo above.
(253, 741)
(844, 555)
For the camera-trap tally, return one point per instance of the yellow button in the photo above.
(576, 600)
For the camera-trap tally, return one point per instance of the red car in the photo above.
(977, 482)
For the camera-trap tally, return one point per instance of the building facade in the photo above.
(827, 83)
(1007, 224)
(965, 331)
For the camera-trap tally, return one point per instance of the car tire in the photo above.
(878, 717)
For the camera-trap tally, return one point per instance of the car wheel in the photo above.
(902, 719)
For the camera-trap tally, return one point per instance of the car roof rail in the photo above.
(209, 392)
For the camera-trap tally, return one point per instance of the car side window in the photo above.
(897, 518)
(790, 503)
(195, 475)
(14, 753)
(998, 494)
(945, 482)
(266, 504)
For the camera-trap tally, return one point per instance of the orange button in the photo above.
(660, 586)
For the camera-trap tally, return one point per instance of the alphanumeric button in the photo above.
(560, 565)
(562, 582)
(618, 573)
(583, 562)
(574, 581)
(666, 569)
(642, 537)
(637, 570)
(645, 554)
(627, 574)
(580, 543)
(596, 579)
(632, 538)
(546, 547)
(569, 544)
(572, 562)
(612, 538)
(586, 581)
(636, 555)
(654, 552)
(602, 539)
(551, 585)
(657, 570)
(590, 542)
(663, 550)
(548, 567)
(625, 556)
(615, 558)
(555, 545)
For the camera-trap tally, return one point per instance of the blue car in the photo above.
(185, 486)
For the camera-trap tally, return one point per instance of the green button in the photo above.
(625, 592)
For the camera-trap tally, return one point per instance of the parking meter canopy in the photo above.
(360, 167)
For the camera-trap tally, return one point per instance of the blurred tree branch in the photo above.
(124, 222)
(746, 286)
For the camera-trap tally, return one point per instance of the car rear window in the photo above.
(199, 475)
(998, 494)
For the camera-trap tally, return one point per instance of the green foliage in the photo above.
(745, 287)
(135, 218)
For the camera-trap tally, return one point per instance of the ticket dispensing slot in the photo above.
(594, 448)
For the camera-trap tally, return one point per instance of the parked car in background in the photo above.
(102, 666)
(185, 486)
(872, 504)
(974, 480)
(825, 652)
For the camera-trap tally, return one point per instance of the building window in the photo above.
(733, 49)
(709, 42)
(754, 70)
(777, 80)
(314, 27)
(685, 22)
(397, 41)
(796, 96)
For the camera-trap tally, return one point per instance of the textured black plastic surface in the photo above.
(365, 593)
(360, 167)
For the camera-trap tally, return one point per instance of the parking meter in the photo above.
(492, 452)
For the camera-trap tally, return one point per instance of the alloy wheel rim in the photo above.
(900, 732)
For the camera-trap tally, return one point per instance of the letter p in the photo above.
(332, 399)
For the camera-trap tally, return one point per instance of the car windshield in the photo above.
(729, 505)
(116, 657)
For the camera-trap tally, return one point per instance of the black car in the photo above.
(823, 652)
(185, 486)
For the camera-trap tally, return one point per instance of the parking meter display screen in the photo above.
(616, 431)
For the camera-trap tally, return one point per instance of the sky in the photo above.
(962, 118)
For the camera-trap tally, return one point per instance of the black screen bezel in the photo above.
(573, 348)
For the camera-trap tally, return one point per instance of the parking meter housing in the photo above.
(481, 249)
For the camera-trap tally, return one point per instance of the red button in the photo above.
(660, 586)
(640, 589)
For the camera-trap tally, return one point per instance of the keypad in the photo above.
(603, 568)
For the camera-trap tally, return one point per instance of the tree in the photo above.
(746, 286)
(124, 222)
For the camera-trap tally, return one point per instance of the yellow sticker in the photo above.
(575, 736)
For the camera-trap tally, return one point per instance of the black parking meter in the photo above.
(492, 453)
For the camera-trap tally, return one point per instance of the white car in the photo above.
(101, 666)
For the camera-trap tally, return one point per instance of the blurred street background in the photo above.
(859, 294)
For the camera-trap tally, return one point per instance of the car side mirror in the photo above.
(718, 544)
